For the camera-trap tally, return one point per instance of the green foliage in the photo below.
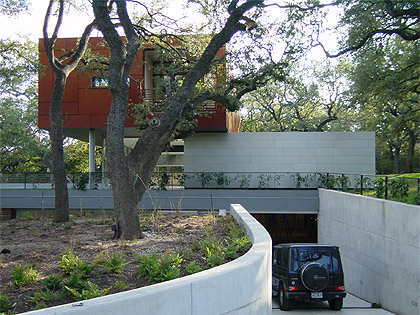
(24, 147)
(24, 274)
(205, 178)
(69, 262)
(398, 189)
(120, 286)
(114, 263)
(81, 180)
(53, 283)
(45, 296)
(192, 268)
(212, 249)
(244, 180)
(264, 181)
(90, 292)
(222, 179)
(159, 269)
(4, 303)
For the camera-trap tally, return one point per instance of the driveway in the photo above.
(352, 305)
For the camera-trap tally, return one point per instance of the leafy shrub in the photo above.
(114, 263)
(24, 274)
(84, 269)
(92, 291)
(159, 269)
(75, 282)
(53, 283)
(4, 303)
(39, 298)
(193, 268)
(398, 189)
(120, 286)
(81, 181)
(69, 262)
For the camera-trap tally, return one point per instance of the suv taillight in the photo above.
(339, 287)
(293, 288)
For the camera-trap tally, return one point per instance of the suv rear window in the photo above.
(323, 256)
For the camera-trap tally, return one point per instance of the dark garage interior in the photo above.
(289, 228)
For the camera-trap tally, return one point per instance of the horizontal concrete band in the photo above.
(242, 286)
(273, 201)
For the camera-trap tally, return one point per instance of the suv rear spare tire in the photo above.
(314, 277)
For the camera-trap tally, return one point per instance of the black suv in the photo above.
(308, 272)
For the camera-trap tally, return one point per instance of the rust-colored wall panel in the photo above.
(69, 108)
(43, 121)
(94, 101)
(76, 121)
(85, 81)
(98, 121)
(44, 108)
(46, 77)
(71, 43)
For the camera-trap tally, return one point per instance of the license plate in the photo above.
(316, 295)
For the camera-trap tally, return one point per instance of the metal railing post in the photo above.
(386, 187)
(361, 184)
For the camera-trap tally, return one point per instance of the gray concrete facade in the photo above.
(379, 242)
(334, 152)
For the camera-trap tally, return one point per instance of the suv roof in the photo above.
(303, 245)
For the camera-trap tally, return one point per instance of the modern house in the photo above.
(286, 167)
(87, 99)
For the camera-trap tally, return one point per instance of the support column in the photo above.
(92, 158)
(103, 167)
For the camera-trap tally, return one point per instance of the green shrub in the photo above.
(193, 268)
(75, 282)
(69, 262)
(92, 291)
(24, 274)
(159, 269)
(120, 286)
(53, 283)
(4, 303)
(39, 298)
(114, 263)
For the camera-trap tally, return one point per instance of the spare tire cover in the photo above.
(314, 277)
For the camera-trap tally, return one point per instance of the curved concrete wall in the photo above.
(242, 286)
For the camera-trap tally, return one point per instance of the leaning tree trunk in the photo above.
(61, 213)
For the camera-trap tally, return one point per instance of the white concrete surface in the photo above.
(351, 305)
(379, 242)
(333, 152)
(242, 286)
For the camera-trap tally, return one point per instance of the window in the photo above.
(98, 82)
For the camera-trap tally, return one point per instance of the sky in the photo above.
(30, 24)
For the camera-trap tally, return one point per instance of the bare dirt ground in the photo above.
(41, 243)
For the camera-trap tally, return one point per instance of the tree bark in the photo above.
(61, 213)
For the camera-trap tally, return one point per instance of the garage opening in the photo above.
(289, 228)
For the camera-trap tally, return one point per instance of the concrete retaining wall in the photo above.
(379, 242)
(242, 286)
